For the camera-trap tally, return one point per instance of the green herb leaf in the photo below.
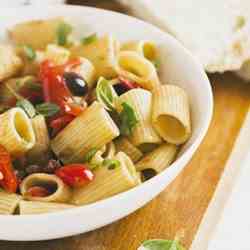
(89, 39)
(89, 155)
(63, 30)
(47, 109)
(156, 63)
(29, 52)
(35, 86)
(111, 163)
(128, 119)
(105, 94)
(27, 106)
(158, 244)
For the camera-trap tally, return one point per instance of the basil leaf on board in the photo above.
(89, 155)
(128, 119)
(111, 163)
(105, 94)
(27, 106)
(89, 39)
(63, 30)
(29, 52)
(159, 244)
(47, 109)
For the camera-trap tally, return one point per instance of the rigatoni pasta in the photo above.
(9, 202)
(98, 129)
(82, 119)
(171, 114)
(108, 182)
(37, 207)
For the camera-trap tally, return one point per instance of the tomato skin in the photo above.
(75, 175)
(9, 180)
(37, 191)
(127, 83)
(60, 123)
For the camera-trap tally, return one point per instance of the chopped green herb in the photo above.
(158, 244)
(156, 63)
(63, 30)
(105, 94)
(35, 86)
(18, 84)
(111, 163)
(89, 155)
(29, 52)
(47, 109)
(27, 106)
(89, 39)
(128, 119)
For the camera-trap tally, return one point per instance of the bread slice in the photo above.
(217, 32)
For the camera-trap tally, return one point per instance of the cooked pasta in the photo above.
(97, 127)
(135, 67)
(145, 48)
(171, 115)
(124, 145)
(159, 159)
(108, 182)
(9, 202)
(57, 191)
(102, 53)
(143, 134)
(40, 151)
(82, 119)
(37, 207)
(10, 63)
(16, 132)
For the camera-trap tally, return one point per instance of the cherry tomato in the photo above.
(55, 89)
(75, 175)
(8, 178)
(60, 123)
(37, 191)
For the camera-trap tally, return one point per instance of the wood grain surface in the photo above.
(182, 205)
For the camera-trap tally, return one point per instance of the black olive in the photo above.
(148, 174)
(120, 88)
(76, 84)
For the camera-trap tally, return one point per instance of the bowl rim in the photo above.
(99, 204)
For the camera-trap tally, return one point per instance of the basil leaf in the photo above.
(27, 106)
(89, 39)
(29, 52)
(128, 119)
(63, 30)
(105, 94)
(159, 244)
(89, 155)
(111, 163)
(47, 109)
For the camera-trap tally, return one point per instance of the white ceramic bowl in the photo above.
(177, 67)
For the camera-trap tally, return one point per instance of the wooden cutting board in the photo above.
(182, 205)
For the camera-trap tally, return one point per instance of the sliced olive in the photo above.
(148, 174)
(76, 84)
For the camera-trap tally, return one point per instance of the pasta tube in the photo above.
(8, 202)
(171, 114)
(143, 135)
(158, 159)
(102, 53)
(57, 190)
(57, 54)
(37, 207)
(16, 132)
(87, 71)
(109, 151)
(10, 63)
(39, 152)
(124, 145)
(37, 33)
(108, 182)
(135, 67)
(92, 129)
(145, 48)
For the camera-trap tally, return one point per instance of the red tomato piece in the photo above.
(127, 83)
(60, 123)
(37, 191)
(8, 178)
(75, 175)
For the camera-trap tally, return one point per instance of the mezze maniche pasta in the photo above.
(82, 119)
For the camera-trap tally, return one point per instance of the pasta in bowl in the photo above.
(104, 119)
